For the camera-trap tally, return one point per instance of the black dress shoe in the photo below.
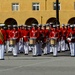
(21, 52)
(34, 55)
(26, 54)
(58, 51)
(4, 52)
(15, 55)
(39, 55)
(72, 56)
(30, 51)
(2, 59)
(9, 51)
(45, 54)
(62, 51)
(48, 53)
(55, 56)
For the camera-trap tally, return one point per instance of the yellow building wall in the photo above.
(46, 11)
(67, 10)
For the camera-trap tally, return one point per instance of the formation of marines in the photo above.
(38, 39)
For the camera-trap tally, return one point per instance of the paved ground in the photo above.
(44, 65)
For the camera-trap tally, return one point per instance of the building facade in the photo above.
(36, 11)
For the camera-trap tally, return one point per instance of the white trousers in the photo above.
(5, 47)
(1, 51)
(51, 49)
(34, 51)
(72, 49)
(63, 48)
(21, 49)
(8, 48)
(67, 48)
(59, 45)
(54, 49)
(45, 50)
(30, 49)
(15, 50)
(26, 47)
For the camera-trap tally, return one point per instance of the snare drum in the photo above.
(12, 42)
(52, 41)
(32, 41)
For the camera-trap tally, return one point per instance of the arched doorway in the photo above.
(71, 20)
(10, 21)
(30, 21)
(53, 20)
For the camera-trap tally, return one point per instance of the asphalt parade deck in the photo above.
(63, 64)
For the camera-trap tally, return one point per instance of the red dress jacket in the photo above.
(34, 33)
(53, 34)
(71, 35)
(25, 34)
(46, 34)
(14, 34)
(63, 33)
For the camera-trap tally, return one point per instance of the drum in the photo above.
(12, 42)
(52, 41)
(32, 41)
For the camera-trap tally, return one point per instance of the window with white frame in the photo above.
(35, 6)
(15, 6)
(54, 6)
